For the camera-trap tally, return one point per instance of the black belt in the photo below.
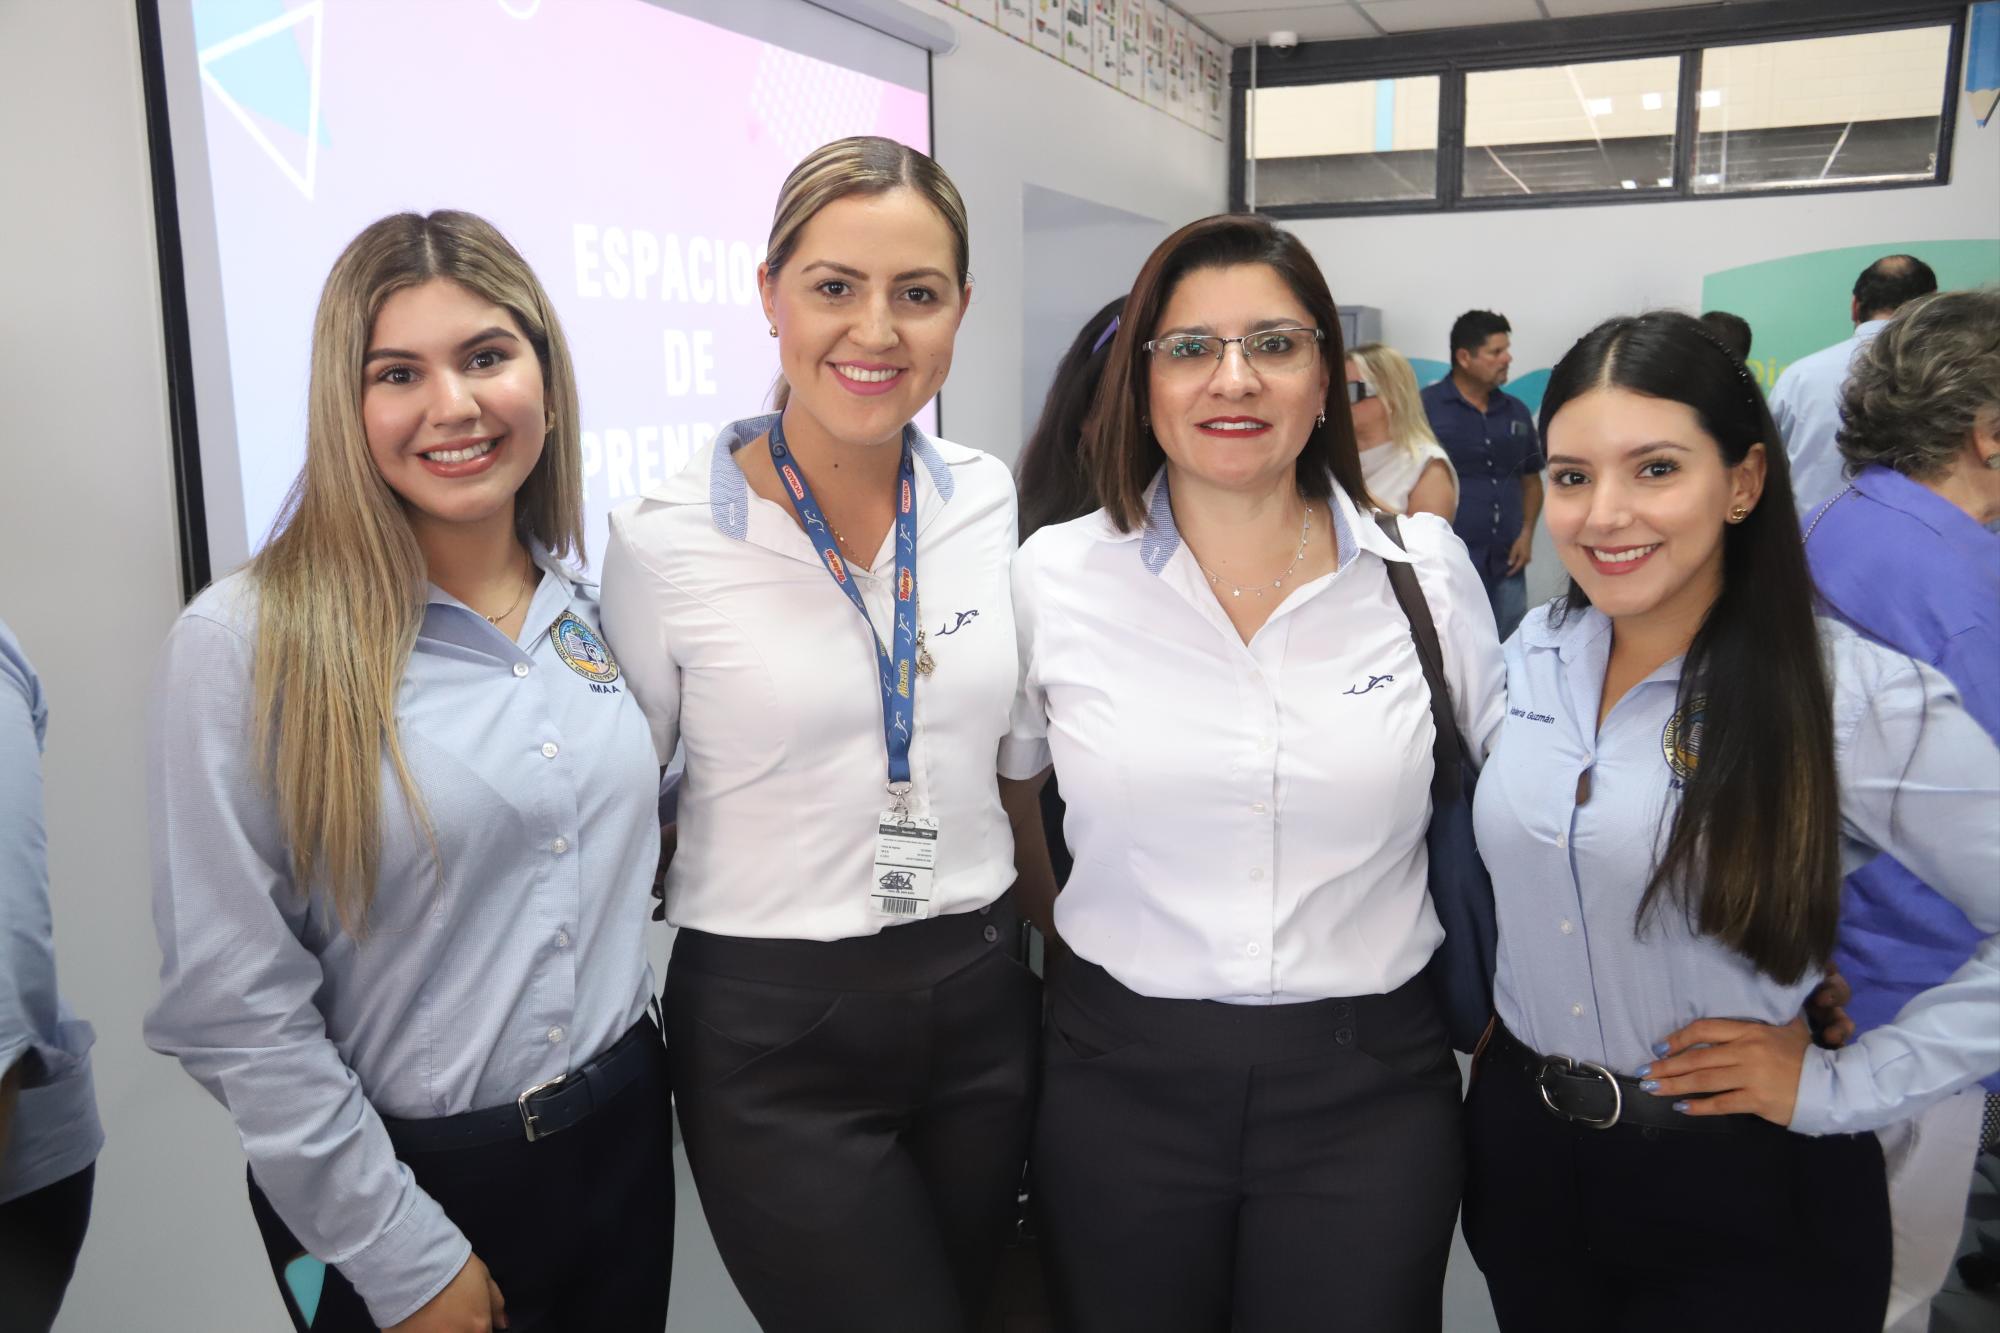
(1591, 1095)
(545, 1109)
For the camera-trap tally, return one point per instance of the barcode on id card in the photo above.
(899, 906)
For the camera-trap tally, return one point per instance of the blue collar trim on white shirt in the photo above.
(729, 489)
(1160, 537)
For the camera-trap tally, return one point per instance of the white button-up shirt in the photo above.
(742, 650)
(1805, 404)
(1247, 820)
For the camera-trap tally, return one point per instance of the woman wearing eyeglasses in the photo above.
(1249, 1115)
(1406, 469)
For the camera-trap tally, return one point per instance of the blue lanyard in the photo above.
(899, 675)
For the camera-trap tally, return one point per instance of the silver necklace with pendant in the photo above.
(1305, 533)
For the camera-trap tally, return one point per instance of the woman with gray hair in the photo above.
(1902, 555)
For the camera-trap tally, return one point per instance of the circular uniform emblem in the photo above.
(1681, 740)
(582, 651)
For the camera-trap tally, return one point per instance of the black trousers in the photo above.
(576, 1228)
(40, 1235)
(856, 1114)
(1642, 1230)
(1200, 1167)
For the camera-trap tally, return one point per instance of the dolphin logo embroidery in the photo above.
(959, 623)
(1373, 682)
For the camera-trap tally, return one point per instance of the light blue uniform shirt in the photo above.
(1918, 779)
(523, 961)
(1805, 404)
(55, 1133)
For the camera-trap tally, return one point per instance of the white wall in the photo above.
(1007, 116)
(1556, 272)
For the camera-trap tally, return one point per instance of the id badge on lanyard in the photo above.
(905, 845)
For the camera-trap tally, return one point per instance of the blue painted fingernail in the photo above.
(1650, 1085)
(1642, 1071)
(1661, 1048)
(1682, 1107)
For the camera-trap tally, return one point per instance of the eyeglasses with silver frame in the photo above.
(1268, 351)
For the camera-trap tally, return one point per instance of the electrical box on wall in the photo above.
(1360, 324)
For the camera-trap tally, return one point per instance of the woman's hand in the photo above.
(1826, 1011)
(1747, 1068)
(469, 1303)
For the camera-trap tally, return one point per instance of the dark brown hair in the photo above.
(1753, 853)
(1120, 453)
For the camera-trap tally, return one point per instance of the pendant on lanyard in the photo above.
(906, 845)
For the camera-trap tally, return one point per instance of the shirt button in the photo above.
(549, 749)
(1258, 808)
(991, 933)
(1263, 742)
(1562, 839)
(1257, 872)
(562, 939)
(1253, 951)
(1576, 1011)
(559, 846)
(1566, 928)
(520, 668)
(555, 1035)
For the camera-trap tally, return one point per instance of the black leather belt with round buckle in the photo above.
(1585, 1093)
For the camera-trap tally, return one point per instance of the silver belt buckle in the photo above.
(527, 1116)
(1567, 1065)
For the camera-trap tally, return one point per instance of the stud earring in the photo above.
(774, 330)
(1320, 420)
(1993, 461)
(1738, 514)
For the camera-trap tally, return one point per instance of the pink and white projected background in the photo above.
(631, 152)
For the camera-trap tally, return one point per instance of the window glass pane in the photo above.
(1345, 143)
(1822, 111)
(1563, 129)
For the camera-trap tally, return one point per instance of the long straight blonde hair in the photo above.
(341, 584)
(865, 164)
(1396, 384)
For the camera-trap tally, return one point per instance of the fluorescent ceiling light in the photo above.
(1711, 97)
(1651, 101)
(1597, 106)
(1630, 185)
(1666, 182)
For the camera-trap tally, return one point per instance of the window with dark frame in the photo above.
(1766, 97)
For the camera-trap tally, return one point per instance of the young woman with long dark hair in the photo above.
(1689, 759)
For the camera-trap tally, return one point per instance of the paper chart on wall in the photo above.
(1156, 54)
(1017, 19)
(1076, 33)
(1131, 47)
(1215, 88)
(1177, 51)
(1104, 41)
(1049, 27)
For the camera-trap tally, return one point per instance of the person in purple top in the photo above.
(1902, 555)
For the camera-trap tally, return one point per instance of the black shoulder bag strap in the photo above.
(1445, 784)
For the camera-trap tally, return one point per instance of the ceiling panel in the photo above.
(1240, 22)
(1421, 15)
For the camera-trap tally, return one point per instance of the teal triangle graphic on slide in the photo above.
(305, 1277)
(269, 75)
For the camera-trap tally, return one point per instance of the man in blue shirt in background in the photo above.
(1491, 439)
